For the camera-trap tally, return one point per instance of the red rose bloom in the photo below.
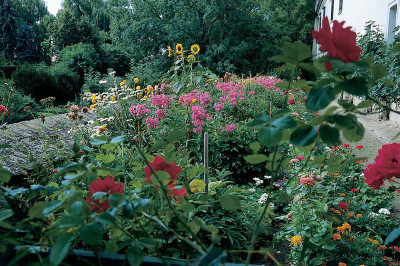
(159, 164)
(3, 109)
(339, 42)
(373, 177)
(346, 145)
(107, 185)
(360, 147)
(342, 205)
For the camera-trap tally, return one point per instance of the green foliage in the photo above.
(26, 49)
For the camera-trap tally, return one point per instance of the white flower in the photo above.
(252, 190)
(267, 177)
(276, 184)
(271, 205)
(372, 214)
(384, 211)
(261, 200)
(258, 181)
(102, 81)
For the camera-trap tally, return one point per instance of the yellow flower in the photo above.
(136, 80)
(342, 264)
(92, 107)
(145, 98)
(373, 241)
(122, 83)
(336, 237)
(296, 240)
(191, 59)
(193, 101)
(137, 88)
(179, 49)
(169, 51)
(93, 98)
(112, 99)
(149, 89)
(195, 48)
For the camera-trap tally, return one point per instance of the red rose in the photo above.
(3, 109)
(159, 164)
(107, 185)
(291, 102)
(339, 42)
(360, 147)
(342, 205)
(346, 145)
(355, 190)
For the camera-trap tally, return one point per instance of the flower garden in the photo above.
(204, 170)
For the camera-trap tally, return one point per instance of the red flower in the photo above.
(346, 145)
(307, 181)
(339, 42)
(178, 193)
(3, 109)
(299, 158)
(355, 190)
(107, 185)
(85, 110)
(342, 205)
(291, 102)
(373, 177)
(159, 164)
(360, 147)
(316, 114)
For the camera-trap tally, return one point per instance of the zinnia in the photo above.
(107, 185)
(342, 205)
(159, 164)
(339, 42)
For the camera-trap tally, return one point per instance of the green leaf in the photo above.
(284, 85)
(270, 136)
(356, 86)
(296, 52)
(91, 234)
(214, 257)
(99, 140)
(52, 206)
(285, 122)
(36, 211)
(106, 158)
(319, 98)
(187, 207)
(392, 236)
(109, 146)
(230, 202)
(60, 249)
(330, 135)
(310, 68)
(70, 220)
(5, 175)
(255, 146)
(119, 139)
(304, 135)
(175, 135)
(256, 158)
(115, 199)
(396, 48)
(212, 229)
(99, 195)
(158, 145)
(135, 256)
(278, 59)
(365, 104)
(259, 120)
(4, 214)
(379, 71)
(163, 177)
(105, 218)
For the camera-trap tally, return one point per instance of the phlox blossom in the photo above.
(151, 122)
(139, 110)
(230, 127)
(161, 100)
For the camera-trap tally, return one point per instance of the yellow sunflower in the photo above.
(191, 58)
(195, 48)
(179, 49)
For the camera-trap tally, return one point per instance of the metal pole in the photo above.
(270, 108)
(206, 161)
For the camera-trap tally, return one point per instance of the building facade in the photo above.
(357, 13)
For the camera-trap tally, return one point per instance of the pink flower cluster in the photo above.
(307, 181)
(151, 122)
(219, 106)
(139, 110)
(233, 91)
(3, 109)
(201, 98)
(230, 127)
(161, 100)
(160, 114)
(268, 83)
(199, 116)
(386, 166)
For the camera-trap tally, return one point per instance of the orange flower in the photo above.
(336, 237)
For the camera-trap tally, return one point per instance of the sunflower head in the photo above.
(191, 58)
(179, 49)
(195, 48)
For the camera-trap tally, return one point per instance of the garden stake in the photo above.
(206, 161)
(270, 108)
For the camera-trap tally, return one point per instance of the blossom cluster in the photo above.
(139, 110)
(199, 116)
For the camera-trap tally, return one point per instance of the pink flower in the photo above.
(199, 115)
(268, 83)
(307, 181)
(299, 158)
(85, 110)
(138, 110)
(151, 122)
(160, 114)
(291, 102)
(74, 109)
(339, 42)
(219, 106)
(295, 114)
(252, 92)
(230, 127)
(200, 98)
(161, 100)
(3, 109)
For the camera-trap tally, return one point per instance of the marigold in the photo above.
(195, 48)
(136, 80)
(112, 99)
(336, 237)
(341, 229)
(373, 241)
(342, 195)
(296, 240)
(93, 98)
(342, 264)
(179, 49)
(358, 215)
(137, 88)
(92, 107)
(381, 247)
(346, 226)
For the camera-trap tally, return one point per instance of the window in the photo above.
(392, 23)
(332, 8)
(340, 6)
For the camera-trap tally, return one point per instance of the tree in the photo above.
(26, 49)
(8, 22)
